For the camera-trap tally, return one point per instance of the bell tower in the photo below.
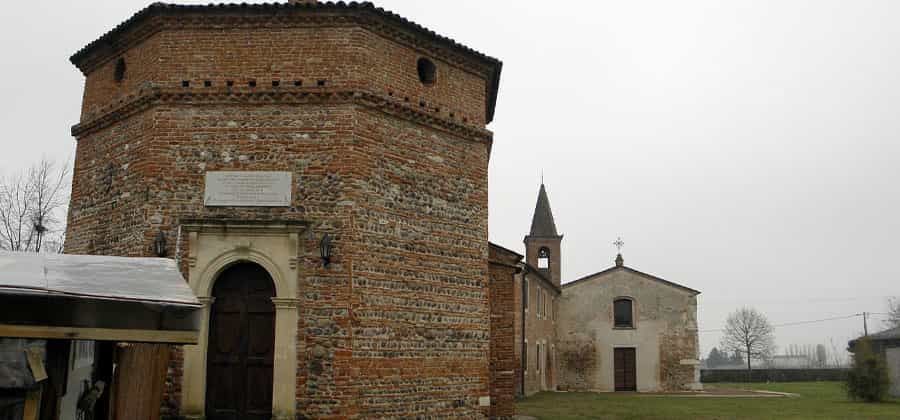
(542, 244)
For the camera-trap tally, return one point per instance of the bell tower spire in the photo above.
(542, 245)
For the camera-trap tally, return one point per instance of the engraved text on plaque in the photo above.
(248, 189)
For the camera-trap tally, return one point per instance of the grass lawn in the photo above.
(818, 400)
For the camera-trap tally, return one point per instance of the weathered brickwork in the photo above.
(399, 325)
(260, 47)
(505, 264)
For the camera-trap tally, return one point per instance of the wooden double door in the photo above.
(625, 369)
(241, 345)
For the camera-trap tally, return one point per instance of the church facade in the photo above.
(624, 330)
(616, 330)
(319, 172)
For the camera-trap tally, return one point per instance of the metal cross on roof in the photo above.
(619, 243)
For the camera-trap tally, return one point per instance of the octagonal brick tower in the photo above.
(378, 126)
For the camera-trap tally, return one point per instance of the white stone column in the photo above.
(193, 375)
(284, 392)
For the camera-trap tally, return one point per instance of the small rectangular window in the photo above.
(623, 313)
(541, 302)
(544, 306)
(525, 291)
(553, 309)
(550, 308)
(546, 301)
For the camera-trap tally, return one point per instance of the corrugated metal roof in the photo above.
(151, 280)
(891, 334)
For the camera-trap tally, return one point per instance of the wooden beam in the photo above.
(99, 334)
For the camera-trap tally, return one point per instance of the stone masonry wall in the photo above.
(421, 281)
(399, 324)
(108, 210)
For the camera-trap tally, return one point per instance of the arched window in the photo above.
(623, 313)
(427, 71)
(544, 258)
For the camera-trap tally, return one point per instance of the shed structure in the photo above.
(68, 319)
(887, 344)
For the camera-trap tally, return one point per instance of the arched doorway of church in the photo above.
(241, 345)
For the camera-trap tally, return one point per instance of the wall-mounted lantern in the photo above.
(159, 244)
(325, 249)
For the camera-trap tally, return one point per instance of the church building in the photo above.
(319, 172)
(619, 329)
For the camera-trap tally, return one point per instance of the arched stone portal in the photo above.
(241, 349)
(213, 248)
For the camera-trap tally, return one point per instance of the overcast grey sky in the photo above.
(747, 149)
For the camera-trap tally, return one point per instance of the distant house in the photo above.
(887, 343)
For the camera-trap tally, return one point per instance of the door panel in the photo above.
(625, 369)
(241, 345)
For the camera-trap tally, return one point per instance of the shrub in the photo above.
(868, 377)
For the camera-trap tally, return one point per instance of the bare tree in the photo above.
(894, 312)
(748, 331)
(838, 355)
(32, 208)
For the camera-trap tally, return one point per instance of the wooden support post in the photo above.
(139, 380)
(32, 405)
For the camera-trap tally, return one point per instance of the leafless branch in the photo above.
(894, 312)
(749, 332)
(32, 208)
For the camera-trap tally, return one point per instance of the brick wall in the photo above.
(399, 324)
(503, 310)
(287, 51)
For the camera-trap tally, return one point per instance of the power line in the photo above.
(790, 324)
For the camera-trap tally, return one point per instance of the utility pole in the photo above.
(865, 325)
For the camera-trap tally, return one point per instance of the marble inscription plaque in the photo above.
(248, 189)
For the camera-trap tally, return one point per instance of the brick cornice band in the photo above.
(147, 98)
